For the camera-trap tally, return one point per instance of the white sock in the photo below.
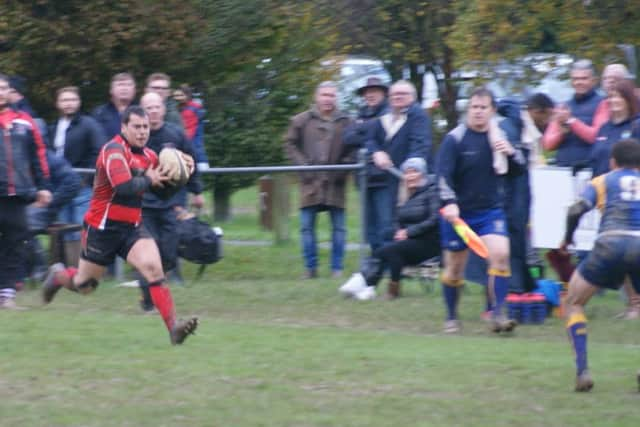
(8, 293)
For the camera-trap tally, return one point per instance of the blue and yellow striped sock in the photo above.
(577, 331)
(498, 285)
(451, 293)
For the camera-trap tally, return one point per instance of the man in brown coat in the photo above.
(315, 138)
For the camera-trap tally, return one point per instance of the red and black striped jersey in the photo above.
(119, 183)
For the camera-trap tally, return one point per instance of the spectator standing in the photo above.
(159, 215)
(573, 127)
(17, 99)
(403, 132)
(24, 178)
(611, 75)
(314, 137)
(77, 138)
(122, 92)
(192, 114)
(19, 102)
(622, 124)
(160, 83)
(374, 93)
(471, 172)
(535, 120)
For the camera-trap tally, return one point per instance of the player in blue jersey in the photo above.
(616, 252)
(471, 173)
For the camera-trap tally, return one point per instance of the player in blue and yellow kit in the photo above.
(616, 252)
(471, 186)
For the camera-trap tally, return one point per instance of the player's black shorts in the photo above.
(101, 246)
(613, 257)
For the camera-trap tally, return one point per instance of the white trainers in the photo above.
(452, 326)
(366, 294)
(354, 285)
(9, 303)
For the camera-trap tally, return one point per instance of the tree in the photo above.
(254, 83)
(82, 43)
(410, 36)
(497, 29)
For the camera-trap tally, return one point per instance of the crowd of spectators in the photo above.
(480, 170)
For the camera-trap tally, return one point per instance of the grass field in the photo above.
(275, 351)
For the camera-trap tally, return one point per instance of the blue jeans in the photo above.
(308, 235)
(380, 208)
(73, 212)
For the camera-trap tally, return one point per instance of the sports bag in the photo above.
(198, 242)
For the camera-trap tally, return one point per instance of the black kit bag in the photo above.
(199, 243)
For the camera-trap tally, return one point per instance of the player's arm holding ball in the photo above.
(157, 176)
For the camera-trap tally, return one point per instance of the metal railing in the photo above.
(359, 167)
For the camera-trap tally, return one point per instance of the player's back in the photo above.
(618, 195)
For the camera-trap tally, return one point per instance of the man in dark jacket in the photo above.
(65, 184)
(403, 132)
(374, 93)
(77, 138)
(160, 215)
(24, 177)
(109, 115)
(315, 138)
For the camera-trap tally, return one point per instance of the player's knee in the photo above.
(453, 271)
(88, 286)
(575, 298)
(451, 281)
(151, 268)
(499, 260)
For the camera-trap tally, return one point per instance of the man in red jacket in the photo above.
(24, 178)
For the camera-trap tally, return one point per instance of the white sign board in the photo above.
(553, 190)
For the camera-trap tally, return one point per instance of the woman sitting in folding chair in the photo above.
(415, 239)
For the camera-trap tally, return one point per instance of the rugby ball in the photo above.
(172, 162)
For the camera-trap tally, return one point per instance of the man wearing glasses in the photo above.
(160, 83)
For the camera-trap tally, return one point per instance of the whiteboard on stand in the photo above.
(553, 190)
